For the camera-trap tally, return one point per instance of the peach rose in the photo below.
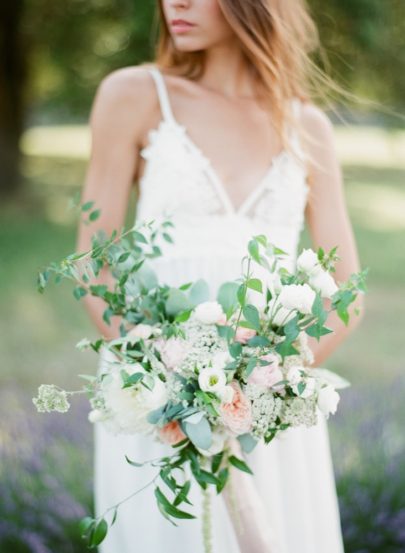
(237, 414)
(171, 433)
(267, 375)
(242, 334)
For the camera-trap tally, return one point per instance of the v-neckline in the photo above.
(218, 183)
(220, 187)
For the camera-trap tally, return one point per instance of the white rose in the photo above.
(173, 352)
(324, 283)
(129, 407)
(209, 312)
(294, 374)
(328, 399)
(297, 296)
(213, 380)
(308, 262)
(217, 445)
(141, 331)
(221, 359)
(310, 386)
(279, 314)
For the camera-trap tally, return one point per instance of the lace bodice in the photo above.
(180, 182)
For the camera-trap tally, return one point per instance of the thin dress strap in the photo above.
(294, 132)
(162, 94)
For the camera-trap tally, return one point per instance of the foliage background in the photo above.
(52, 57)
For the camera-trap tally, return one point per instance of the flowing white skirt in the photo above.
(293, 474)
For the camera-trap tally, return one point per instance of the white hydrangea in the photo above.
(299, 412)
(51, 398)
(266, 407)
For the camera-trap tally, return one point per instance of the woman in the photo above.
(221, 134)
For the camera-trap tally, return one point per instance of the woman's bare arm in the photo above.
(117, 119)
(328, 220)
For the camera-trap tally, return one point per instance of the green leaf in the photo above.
(139, 237)
(241, 294)
(94, 215)
(216, 461)
(223, 476)
(79, 292)
(199, 434)
(170, 509)
(291, 329)
(258, 341)
(239, 464)
(285, 348)
(227, 297)
(235, 349)
(199, 292)
(253, 249)
(255, 284)
(123, 257)
(98, 289)
(247, 442)
(250, 366)
(183, 316)
(317, 330)
(167, 237)
(251, 314)
(114, 518)
(87, 206)
(177, 301)
(85, 525)
(183, 493)
(99, 533)
(133, 463)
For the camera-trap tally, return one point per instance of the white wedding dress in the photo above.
(293, 474)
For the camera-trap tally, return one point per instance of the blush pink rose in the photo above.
(173, 352)
(237, 414)
(242, 334)
(267, 375)
(171, 433)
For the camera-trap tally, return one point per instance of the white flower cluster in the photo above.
(298, 411)
(266, 407)
(204, 343)
(50, 398)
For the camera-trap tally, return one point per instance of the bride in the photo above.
(220, 133)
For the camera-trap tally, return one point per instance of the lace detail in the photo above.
(180, 182)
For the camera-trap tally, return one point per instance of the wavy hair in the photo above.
(277, 38)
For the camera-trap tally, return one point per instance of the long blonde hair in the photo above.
(277, 38)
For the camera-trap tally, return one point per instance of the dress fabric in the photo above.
(294, 473)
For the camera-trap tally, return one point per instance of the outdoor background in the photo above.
(53, 54)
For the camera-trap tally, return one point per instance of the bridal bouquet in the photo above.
(196, 373)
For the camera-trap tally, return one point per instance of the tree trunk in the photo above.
(12, 81)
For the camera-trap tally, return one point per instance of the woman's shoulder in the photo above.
(313, 119)
(125, 96)
(127, 82)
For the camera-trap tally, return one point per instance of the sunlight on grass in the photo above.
(378, 208)
(356, 145)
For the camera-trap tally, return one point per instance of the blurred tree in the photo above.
(12, 81)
